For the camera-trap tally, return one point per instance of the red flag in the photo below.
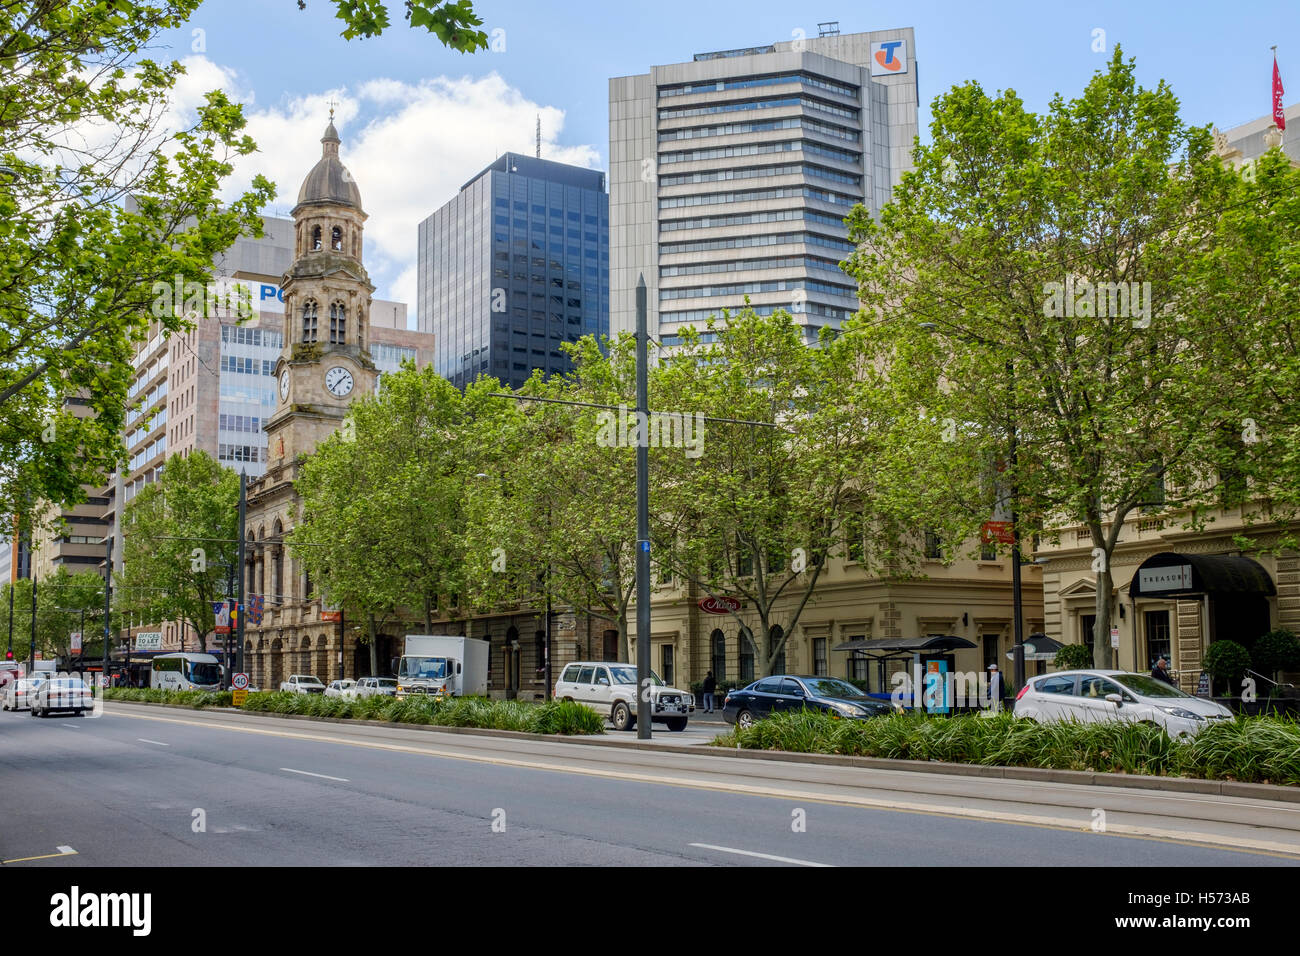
(1278, 116)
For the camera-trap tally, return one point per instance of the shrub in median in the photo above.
(1254, 750)
(555, 717)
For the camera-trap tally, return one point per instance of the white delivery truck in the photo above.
(443, 665)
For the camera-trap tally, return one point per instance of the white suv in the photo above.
(1099, 695)
(610, 688)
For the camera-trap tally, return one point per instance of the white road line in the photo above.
(65, 850)
(323, 776)
(761, 856)
(145, 740)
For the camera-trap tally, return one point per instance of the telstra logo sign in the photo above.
(888, 57)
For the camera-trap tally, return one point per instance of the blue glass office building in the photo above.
(513, 266)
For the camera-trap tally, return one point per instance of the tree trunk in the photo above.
(374, 646)
(624, 641)
(428, 615)
(1101, 627)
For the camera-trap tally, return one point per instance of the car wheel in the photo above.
(676, 724)
(744, 720)
(621, 717)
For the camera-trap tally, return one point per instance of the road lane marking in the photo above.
(145, 740)
(761, 856)
(323, 776)
(63, 851)
(1213, 840)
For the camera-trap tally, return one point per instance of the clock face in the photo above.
(339, 381)
(284, 385)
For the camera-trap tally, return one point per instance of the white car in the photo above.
(374, 687)
(62, 694)
(611, 689)
(18, 694)
(302, 684)
(339, 688)
(1093, 696)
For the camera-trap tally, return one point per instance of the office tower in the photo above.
(512, 266)
(731, 174)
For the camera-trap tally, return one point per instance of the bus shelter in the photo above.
(933, 653)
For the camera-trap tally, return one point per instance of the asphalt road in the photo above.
(152, 786)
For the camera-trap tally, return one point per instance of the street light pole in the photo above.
(1017, 610)
(108, 597)
(239, 625)
(643, 715)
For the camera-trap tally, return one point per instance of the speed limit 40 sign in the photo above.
(239, 681)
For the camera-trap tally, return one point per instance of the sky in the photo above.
(418, 120)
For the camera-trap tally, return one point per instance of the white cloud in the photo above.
(410, 147)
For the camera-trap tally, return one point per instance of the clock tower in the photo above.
(326, 361)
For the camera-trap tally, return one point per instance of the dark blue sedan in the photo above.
(785, 692)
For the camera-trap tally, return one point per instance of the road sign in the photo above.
(239, 681)
(237, 697)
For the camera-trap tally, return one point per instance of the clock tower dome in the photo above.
(326, 361)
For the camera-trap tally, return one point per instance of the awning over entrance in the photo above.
(905, 645)
(1170, 575)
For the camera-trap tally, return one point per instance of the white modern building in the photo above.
(731, 175)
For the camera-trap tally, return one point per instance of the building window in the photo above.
(336, 239)
(988, 551)
(719, 659)
(539, 653)
(777, 634)
(338, 323)
(932, 548)
(1086, 624)
(668, 664)
(746, 657)
(309, 321)
(1157, 628)
(820, 667)
(315, 238)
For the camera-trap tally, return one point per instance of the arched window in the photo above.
(338, 323)
(309, 321)
(315, 238)
(746, 656)
(336, 239)
(777, 634)
(719, 658)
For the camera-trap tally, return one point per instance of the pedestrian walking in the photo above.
(1161, 671)
(709, 686)
(998, 689)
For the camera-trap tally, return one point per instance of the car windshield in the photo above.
(205, 672)
(387, 682)
(430, 668)
(627, 675)
(308, 680)
(1149, 686)
(830, 687)
(72, 682)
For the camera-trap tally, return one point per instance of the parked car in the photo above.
(1091, 696)
(18, 694)
(70, 694)
(339, 688)
(302, 684)
(611, 689)
(787, 692)
(374, 687)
